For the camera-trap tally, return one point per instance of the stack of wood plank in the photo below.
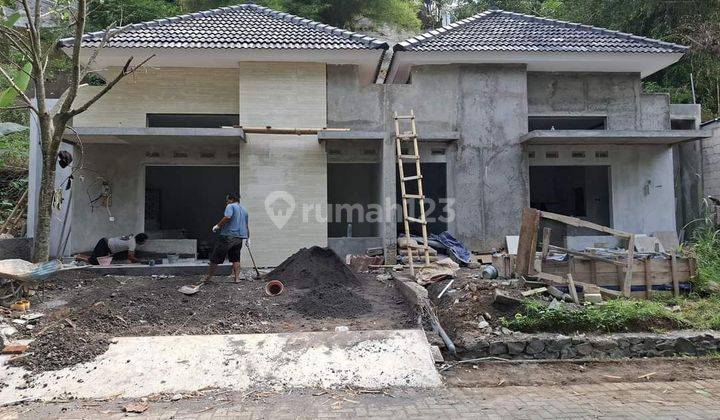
(615, 272)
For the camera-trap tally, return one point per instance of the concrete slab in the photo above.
(139, 366)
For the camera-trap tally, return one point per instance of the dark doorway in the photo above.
(187, 200)
(352, 189)
(578, 191)
(435, 189)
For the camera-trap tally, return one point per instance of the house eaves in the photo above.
(497, 36)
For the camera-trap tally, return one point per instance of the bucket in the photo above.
(105, 260)
(274, 288)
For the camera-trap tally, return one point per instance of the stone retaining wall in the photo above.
(557, 346)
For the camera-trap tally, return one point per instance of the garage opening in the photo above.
(184, 202)
(353, 191)
(578, 191)
(435, 189)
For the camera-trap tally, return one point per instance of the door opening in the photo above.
(184, 202)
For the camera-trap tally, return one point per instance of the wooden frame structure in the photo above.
(527, 246)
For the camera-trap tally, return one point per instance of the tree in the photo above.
(106, 13)
(29, 59)
(344, 14)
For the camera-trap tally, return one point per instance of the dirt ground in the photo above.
(470, 297)
(490, 374)
(82, 314)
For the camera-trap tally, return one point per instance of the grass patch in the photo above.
(618, 315)
(701, 313)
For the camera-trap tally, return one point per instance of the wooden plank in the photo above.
(627, 284)
(527, 242)
(534, 291)
(574, 221)
(559, 279)
(545, 242)
(587, 255)
(648, 278)
(571, 288)
(593, 272)
(673, 274)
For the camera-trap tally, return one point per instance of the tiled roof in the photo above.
(498, 30)
(242, 26)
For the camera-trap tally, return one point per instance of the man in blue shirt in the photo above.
(233, 229)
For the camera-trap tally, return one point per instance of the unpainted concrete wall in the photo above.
(711, 161)
(615, 95)
(642, 187)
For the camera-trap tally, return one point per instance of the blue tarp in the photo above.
(456, 248)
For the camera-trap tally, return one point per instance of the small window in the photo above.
(207, 155)
(437, 151)
(334, 152)
(682, 124)
(531, 155)
(578, 155)
(601, 155)
(192, 120)
(180, 155)
(552, 155)
(566, 123)
(152, 154)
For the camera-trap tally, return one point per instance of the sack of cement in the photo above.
(437, 271)
(404, 242)
(417, 251)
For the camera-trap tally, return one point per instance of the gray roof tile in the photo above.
(241, 26)
(498, 30)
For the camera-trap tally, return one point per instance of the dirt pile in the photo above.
(61, 347)
(332, 300)
(330, 282)
(313, 267)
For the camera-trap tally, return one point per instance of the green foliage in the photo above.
(613, 316)
(706, 250)
(21, 78)
(111, 13)
(401, 14)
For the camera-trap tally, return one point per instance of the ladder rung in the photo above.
(416, 196)
(412, 178)
(404, 117)
(415, 157)
(414, 220)
(406, 137)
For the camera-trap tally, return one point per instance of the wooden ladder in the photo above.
(407, 137)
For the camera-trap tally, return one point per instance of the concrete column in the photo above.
(491, 168)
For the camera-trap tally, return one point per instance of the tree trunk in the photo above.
(50, 142)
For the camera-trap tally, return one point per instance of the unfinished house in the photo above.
(512, 110)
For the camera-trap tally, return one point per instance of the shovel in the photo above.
(257, 272)
(190, 289)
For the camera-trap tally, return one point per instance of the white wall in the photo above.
(283, 95)
(642, 189)
(160, 90)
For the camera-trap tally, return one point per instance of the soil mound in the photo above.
(61, 347)
(332, 300)
(313, 267)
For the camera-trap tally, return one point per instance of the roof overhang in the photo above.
(612, 137)
(643, 63)
(155, 135)
(368, 60)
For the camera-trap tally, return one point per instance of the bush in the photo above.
(706, 250)
(618, 315)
